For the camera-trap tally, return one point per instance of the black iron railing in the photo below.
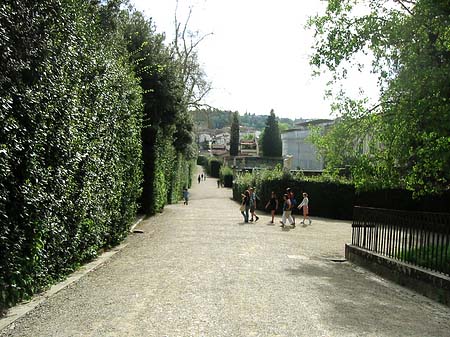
(418, 238)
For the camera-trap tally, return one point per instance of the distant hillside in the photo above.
(217, 119)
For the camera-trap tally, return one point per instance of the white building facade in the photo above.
(296, 144)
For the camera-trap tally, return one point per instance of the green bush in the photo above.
(70, 148)
(213, 168)
(226, 176)
(427, 257)
(203, 161)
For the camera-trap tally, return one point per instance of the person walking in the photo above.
(287, 209)
(272, 205)
(202, 176)
(186, 196)
(253, 198)
(245, 205)
(305, 205)
(218, 183)
(291, 195)
(199, 178)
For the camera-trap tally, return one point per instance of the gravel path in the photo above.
(198, 270)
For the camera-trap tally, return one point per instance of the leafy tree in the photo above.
(184, 48)
(283, 126)
(213, 118)
(404, 140)
(234, 138)
(271, 138)
(167, 130)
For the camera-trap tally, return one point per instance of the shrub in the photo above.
(203, 161)
(213, 168)
(226, 176)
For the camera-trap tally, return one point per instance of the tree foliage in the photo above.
(168, 126)
(234, 137)
(404, 140)
(213, 118)
(271, 138)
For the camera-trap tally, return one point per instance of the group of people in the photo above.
(249, 199)
(248, 205)
(201, 177)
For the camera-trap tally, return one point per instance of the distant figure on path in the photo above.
(245, 205)
(253, 198)
(218, 183)
(186, 196)
(199, 179)
(202, 176)
(305, 205)
(272, 205)
(286, 212)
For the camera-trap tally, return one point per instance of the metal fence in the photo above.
(418, 238)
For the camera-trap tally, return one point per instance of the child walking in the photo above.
(304, 204)
(186, 196)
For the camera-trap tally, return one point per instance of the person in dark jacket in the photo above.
(272, 205)
(245, 205)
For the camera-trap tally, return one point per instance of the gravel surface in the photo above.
(198, 270)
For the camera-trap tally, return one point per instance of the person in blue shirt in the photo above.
(186, 196)
(253, 198)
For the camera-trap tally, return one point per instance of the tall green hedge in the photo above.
(333, 199)
(211, 165)
(70, 148)
(226, 176)
(167, 130)
(168, 172)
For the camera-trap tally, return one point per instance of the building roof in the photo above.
(304, 125)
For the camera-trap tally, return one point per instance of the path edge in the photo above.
(21, 309)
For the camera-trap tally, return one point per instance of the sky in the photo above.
(257, 57)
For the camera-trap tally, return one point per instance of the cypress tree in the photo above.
(271, 139)
(234, 139)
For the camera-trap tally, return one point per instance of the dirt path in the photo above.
(198, 270)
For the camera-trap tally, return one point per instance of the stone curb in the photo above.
(428, 283)
(22, 309)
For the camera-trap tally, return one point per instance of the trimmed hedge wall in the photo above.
(70, 147)
(167, 173)
(333, 199)
(226, 176)
(211, 165)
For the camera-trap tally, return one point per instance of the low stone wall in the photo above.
(433, 285)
